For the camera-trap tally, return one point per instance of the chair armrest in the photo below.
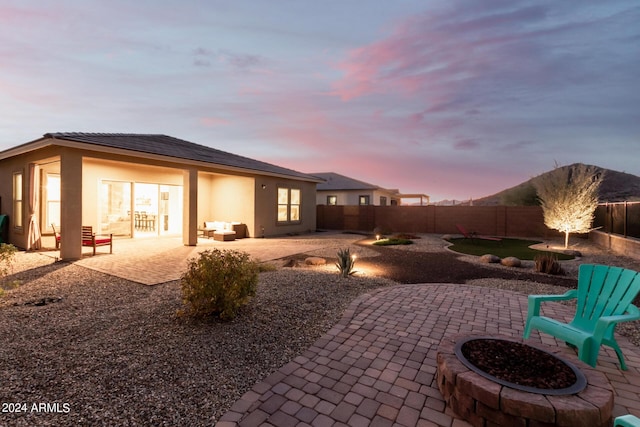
(604, 323)
(536, 300)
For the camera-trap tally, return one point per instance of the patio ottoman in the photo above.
(224, 235)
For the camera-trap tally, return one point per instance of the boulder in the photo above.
(511, 261)
(314, 260)
(292, 263)
(489, 258)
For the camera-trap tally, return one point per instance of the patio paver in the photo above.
(158, 260)
(377, 366)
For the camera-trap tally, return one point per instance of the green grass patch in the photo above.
(506, 247)
(393, 241)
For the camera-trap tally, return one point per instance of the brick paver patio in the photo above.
(377, 366)
(158, 260)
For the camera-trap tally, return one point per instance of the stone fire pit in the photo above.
(482, 400)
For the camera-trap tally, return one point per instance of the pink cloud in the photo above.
(14, 15)
(466, 144)
(213, 121)
(443, 55)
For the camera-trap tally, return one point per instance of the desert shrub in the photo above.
(392, 241)
(7, 252)
(346, 262)
(548, 263)
(218, 283)
(381, 230)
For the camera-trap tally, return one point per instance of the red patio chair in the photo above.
(473, 235)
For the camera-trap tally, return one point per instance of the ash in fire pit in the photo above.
(520, 366)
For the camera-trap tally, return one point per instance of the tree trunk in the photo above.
(566, 239)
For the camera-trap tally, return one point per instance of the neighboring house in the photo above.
(104, 180)
(341, 190)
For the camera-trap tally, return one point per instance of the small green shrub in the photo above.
(392, 241)
(7, 253)
(218, 283)
(548, 263)
(346, 262)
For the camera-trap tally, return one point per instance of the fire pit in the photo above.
(520, 366)
(500, 381)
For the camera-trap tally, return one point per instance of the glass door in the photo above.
(145, 209)
(115, 208)
(170, 210)
(52, 205)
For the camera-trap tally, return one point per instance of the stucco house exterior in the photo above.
(107, 180)
(342, 190)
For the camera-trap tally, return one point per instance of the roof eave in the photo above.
(50, 140)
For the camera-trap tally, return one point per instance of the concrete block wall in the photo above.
(628, 246)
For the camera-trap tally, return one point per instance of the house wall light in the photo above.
(264, 186)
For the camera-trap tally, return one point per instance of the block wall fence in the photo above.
(507, 221)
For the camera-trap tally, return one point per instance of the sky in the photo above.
(456, 99)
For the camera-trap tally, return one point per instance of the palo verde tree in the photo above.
(569, 197)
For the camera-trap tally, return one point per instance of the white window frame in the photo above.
(289, 205)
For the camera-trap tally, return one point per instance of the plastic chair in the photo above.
(627, 421)
(604, 297)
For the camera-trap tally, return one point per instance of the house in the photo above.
(341, 190)
(144, 185)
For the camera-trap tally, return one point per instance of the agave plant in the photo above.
(346, 262)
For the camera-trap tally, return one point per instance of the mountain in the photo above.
(616, 187)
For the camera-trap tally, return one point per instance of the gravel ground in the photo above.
(117, 354)
(111, 352)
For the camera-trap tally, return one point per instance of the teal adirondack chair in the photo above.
(627, 421)
(604, 297)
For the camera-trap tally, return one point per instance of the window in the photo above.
(332, 200)
(17, 200)
(383, 201)
(288, 204)
(363, 200)
(53, 200)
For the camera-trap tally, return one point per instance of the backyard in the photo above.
(115, 352)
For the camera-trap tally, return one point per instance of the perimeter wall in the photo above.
(507, 221)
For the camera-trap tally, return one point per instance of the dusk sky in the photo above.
(452, 98)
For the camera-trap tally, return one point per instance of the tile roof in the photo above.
(177, 148)
(334, 181)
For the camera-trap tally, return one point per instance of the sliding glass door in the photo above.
(138, 209)
(115, 208)
(157, 210)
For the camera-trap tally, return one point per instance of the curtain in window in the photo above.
(34, 187)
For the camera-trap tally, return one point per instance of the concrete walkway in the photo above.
(157, 260)
(377, 366)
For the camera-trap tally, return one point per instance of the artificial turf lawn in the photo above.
(506, 247)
